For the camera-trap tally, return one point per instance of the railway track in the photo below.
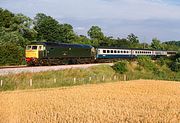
(26, 69)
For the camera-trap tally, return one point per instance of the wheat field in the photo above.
(141, 101)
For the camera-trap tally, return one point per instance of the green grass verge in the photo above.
(92, 75)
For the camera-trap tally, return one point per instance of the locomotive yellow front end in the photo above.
(33, 53)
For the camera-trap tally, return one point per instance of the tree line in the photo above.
(18, 30)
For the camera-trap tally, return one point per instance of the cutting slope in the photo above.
(133, 101)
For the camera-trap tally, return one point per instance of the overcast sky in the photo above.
(118, 18)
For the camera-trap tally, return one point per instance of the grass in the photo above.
(92, 75)
(49, 79)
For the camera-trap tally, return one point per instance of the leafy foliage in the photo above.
(133, 39)
(156, 44)
(146, 63)
(120, 67)
(175, 66)
(47, 27)
(50, 30)
(11, 54)
(96, 33)
(15, 33)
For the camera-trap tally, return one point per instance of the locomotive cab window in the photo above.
(34, 47)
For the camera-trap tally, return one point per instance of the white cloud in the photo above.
(79, 28)
(102, 9)
(147, 18)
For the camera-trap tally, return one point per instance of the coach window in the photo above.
(118, 51)
(111, 51)
(108, 51)
(114, 51)
(104, 51)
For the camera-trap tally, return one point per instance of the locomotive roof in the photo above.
(62, 44)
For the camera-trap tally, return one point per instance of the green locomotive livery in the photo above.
(46, 53)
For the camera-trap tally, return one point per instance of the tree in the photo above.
(15, 32)
(82, 40)
(96, 33)
(171, 45)
(47, 27)
(122, 43)
(133, 39)
(24, 25)
(5, 18)
(67, 34)
(15, 28)
(156, 44)
(50, 30)
(10, 54)
(144, 46)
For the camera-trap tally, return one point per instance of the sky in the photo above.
(145, 18)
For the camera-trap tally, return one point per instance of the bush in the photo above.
(11, 54)
(146, 63)
(164, 61)
(120, 67)
(175, 66)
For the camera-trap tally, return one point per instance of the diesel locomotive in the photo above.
(47, 53)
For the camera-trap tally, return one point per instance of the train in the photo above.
(50, 53)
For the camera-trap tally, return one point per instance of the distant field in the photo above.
(131, 102)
